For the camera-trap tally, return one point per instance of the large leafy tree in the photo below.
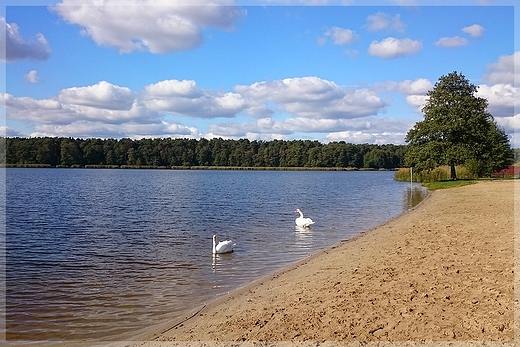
(500, 154)
(457, 129)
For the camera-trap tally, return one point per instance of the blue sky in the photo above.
(335, 71)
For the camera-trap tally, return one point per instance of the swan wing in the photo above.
(299, 222)
(303, 222)
(225, 246)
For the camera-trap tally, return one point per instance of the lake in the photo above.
(102, 254)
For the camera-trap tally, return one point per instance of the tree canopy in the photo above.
(168, 152)
(457, 129)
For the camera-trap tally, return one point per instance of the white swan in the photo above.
(302, 221)
(223, 246)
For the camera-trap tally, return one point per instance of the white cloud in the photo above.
(272, 126)
(10, 132)
(238, 130)
(32, 77)
(99, 129)
(315, 97)
(13, 47)
(279, 109)
(380, 21)
(293, 89)
(164, 26)
(415, 90)
(65, 109)
(360, 130)
(185, 98)
(351, 137)
(474, 30)
(393, 48)
(31, 110)
(304, 97)
(504, 71)
(137, 113)
(502, 98)
(418, 86)
(173, 88)
(511, 125)
(451, 42)
(341, 36)
(417, 101)
(102, 95)
(366, 137)
(54, 119)
(29, 103)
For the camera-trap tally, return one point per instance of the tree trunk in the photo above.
(453, 173)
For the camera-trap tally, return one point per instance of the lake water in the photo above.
(101, 254)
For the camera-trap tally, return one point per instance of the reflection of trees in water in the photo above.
(414, 195)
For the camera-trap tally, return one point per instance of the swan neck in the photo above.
(214, 246)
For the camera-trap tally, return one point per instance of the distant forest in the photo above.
(217, 152)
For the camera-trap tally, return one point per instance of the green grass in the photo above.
(448, 184)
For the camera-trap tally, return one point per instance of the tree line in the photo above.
(169, 152)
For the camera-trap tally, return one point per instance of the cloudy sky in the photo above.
(325, 70)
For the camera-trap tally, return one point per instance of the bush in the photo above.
(441, 173)
(402, 175)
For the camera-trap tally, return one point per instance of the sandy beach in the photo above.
(443, 272)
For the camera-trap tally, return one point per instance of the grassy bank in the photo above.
(448, 184)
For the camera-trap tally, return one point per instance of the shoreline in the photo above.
(195, 168)
(162, 328)
(439, 274)
(413, 278)
(152, 332)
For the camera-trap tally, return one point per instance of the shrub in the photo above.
(441, 173)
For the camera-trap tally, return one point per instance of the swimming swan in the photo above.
(222, 246)
(302, 221)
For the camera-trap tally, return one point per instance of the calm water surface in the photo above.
(101, 254)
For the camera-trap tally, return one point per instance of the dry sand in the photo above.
(443, 272)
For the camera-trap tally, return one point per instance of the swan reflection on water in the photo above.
(217, 258)
(303, 237)
(305, 230)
